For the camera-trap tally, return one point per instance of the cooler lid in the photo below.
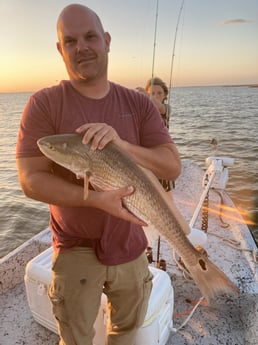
(39, 268)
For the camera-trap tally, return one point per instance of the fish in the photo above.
(112, 168)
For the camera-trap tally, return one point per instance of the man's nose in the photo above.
(82, 45)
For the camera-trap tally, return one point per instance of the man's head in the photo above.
(83, 43)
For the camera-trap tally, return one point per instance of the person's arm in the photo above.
(38, 182)
(162, 160)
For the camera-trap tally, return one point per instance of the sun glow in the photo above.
(226, 212)
(236, 215)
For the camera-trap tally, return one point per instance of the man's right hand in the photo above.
(111, 201)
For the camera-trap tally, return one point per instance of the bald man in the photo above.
(98, 245)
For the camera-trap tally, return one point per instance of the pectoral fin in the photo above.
(86, 185)
(98, 184)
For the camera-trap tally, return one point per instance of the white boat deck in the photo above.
(229, 320)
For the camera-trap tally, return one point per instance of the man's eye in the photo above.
(69, 41)
(90, 37)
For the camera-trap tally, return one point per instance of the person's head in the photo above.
(83, 43)
(157, 88)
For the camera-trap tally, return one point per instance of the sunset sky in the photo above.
(216, 42)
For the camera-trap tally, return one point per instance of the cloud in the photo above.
(235, 21)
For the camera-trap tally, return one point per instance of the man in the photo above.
(98, 245)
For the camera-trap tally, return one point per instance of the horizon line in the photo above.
(253, 85)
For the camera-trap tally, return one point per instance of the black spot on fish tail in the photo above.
(211, 281)
(203, 264)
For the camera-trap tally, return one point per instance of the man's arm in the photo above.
(163, 160)
(38, 182)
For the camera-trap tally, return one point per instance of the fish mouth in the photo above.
(43, 142)
(44, 146)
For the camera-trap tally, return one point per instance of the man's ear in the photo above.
(58, 46)
(107, 40)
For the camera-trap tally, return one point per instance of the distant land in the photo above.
(246, 85)
(227, 85)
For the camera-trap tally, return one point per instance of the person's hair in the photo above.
(157, 81)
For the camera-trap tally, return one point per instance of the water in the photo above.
(20, 217)
(199, 114)
(229, 115)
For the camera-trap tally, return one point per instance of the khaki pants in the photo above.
(75, 293)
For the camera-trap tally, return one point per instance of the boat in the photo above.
(228, 242)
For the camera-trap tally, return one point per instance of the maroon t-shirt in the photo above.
(61, 109)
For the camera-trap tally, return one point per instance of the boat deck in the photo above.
(231, 320)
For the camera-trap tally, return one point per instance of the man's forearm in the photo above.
(48, 188)
(164, 160)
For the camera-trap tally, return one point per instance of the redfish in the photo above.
(112, 168)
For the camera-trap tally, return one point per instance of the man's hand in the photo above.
(111, 202)
(100, 134)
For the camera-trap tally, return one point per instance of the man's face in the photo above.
(84, 46)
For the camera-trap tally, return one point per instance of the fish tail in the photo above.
(211, 280)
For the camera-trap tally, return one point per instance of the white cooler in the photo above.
(158, 320)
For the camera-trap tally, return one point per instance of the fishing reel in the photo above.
(217, 172)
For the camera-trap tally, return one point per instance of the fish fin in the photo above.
(210, 279)
(151, 233)
(99, 184)
(86, 185)
(95, 187)
(168, 197)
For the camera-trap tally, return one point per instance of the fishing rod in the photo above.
(174, 48)
(154, 48)
(155, 39)
(173, 51)
(158, 261)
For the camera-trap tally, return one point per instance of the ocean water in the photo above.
(199, 114)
